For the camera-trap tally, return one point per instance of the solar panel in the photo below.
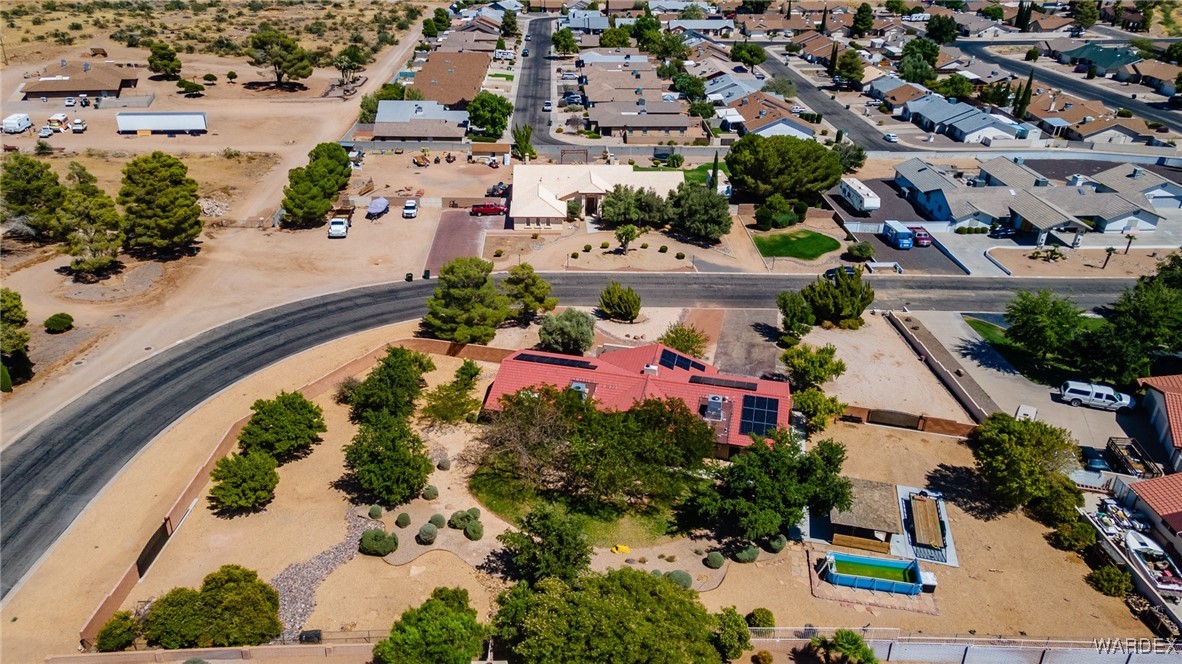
(723, 382)
(759, 415)
(671, 360)
(668, 359)
(556, 361)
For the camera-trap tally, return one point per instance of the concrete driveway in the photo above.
(1010, 389)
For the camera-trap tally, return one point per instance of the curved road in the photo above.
(49, 475)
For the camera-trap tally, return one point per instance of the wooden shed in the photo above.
(871, 521)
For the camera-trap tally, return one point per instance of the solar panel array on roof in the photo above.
(557, 361)
(723, 382)
(759, 415)
(673, 360)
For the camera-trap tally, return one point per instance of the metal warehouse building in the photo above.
(161, 123)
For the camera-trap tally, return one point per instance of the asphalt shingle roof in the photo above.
(925, 177)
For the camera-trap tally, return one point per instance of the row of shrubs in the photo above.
(747, 554)
(664, 250)
(377, 542)
(972, 230)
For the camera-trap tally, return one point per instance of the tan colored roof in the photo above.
(1133, 125)
(452, 78)
(469, 41)
(540, 191)
(766, 22)
(419, 129)
(904, 94)
(772, 109)
(1163, 71)
(1049, 23)
(1048, 105)
(875, 506)
(71, 78)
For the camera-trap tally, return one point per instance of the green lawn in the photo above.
(507, 77)
(697, 175)
(801, 243)
(1053, 371)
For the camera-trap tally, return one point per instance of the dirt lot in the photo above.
(1084, 262)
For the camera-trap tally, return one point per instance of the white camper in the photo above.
(17, 123)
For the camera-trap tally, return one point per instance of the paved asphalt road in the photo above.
(1076, 85)
(533, 87)
(49, 475)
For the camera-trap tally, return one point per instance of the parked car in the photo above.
(338, 228)
(410, 209)
(922, 238)
(45, 132)
(1002, 232)
(525, 52)
(79, 126)
(491, 209)
(799, 109)
(891, 138)
(1094, 460)
(1078, 393)
(831, 273)
(547, 106)
(69, 102)
(529, 38)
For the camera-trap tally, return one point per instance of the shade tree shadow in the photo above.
(983, 353)
(962, 486)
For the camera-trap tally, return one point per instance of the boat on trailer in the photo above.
(1154, 561)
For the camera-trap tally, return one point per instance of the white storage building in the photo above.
(161, 123)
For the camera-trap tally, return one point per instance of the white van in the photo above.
(1079, 393)
(17, 123)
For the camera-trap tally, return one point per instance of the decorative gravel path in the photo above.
(297, 584)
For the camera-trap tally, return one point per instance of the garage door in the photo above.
(1166, 202)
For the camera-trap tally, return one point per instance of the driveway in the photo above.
(746, 345)
(1010, 389)
(917, 260)
(459, 235)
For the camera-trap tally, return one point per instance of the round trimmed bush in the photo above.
(761, 617)
(474, 530)
(714, 560)
(375, 512)
(604, 245)
(663, 249)
(498, 253)
(644, 245)
(459, 520)
(681, 578)
(748, 554)
(58, 323)
(586, 248)
(403, 520)
(437, 520)
(377, 542)
(762, 657)
(680, 256)
(657, 573)
(474, 512)
(444, 464)
(427, 534)
(777, 543)
(574, 254)
(430, 493)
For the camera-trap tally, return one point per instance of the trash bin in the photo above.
(426, 274)
(410, 276)
(310, 636)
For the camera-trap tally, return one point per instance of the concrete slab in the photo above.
(746, 345)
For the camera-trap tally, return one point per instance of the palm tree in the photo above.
(1109, 251)
(1130, 237)
(847, 644)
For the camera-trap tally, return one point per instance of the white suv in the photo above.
(338, 228)
(410, 209)
(1078, 393)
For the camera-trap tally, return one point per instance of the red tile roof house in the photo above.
(735, 406)
(1163, 401)
(1161, 500)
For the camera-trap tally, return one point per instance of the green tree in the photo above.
(548, 543)
(528, 292)
(190, 88)
(239, 608)
(490, 112)
(942, 29)
(748, 54)
(624, 615)
(818, 408)
(429, 29)
(791, 167)
(32, 190)
(699, 212)
(1032, 53)
(443, 630)
(523, 142)
(571, 332)
(997, 94)
(842, 298)
(850, 67)
(701, 109)
(615, 38)
(13, 318)
(304, 200)
(274, 49)
(164, 61)
(387, 459)
(392, 386)
(564, 42)
(831, 61)
(451, 402)
(733, 636)
(625, 235)
(528, 439)
(685, 338)
(764, 491)
(993, 12)
(914, 69)
(1077, 536)
(176, 620)
(691, 86)
(283, 427)
(466, 306)
(1022, 98)
(692, 13)
(811, 367)
(1042, 322)
(92, 224)
(847, 644)
(159, 199)
(231, 76)
(925, 48)
(851, 155)
(665, 46)
(243, 481)
(1058, 504)
(796, 314)
(620, 206)
(619, 302)
(1112, 353)
(1151, 314)
(334, 162)
(954, 87)
(1084, 16)
(1016, 458)
(118, 633)
(509, 24)
(780, 86)
(863, 21)
(1111, 580)
(442, 19)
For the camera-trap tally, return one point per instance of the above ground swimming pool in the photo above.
(892, 576)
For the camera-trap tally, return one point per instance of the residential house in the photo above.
(933, 113)
(735, 407)
(983, 74)
(712, 67)
(1054, 47)
(608, 85)
(1161, 76)
(481, 22)
(452, 79)
(836, 25)
(760, 26)
(1163, 402)
(1121, 131)
(725, 89)
(925, 185)
(418, 121)
(586, 22)
(1007, 172)
(872, 521)
(1104, 212)
(765, 115)
(714, 27)
(643, 128)
(547, 5)
(814, 46)
(972, 25)
(1126, 17)
(92, 79)
(1107, 61)
(888, 27)
(959, 121)
(461, 42)
(617, 56)
(1162, 194)
(879, 88)
(507, 6)
(982, 127)
(949, 61)
(896, 98)
(1050, 23)
(1056, 112)
(1160, 499)
(676, 7)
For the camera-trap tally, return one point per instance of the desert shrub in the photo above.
(761, 617)
(762, 657)
(681, 578)
(377, 542)
(474, 530)
(118, 633)
(675, 160)
(1111, 580)
(671, 559)
(644, 245)
(777, 543)
(437, 520)
(604, 245)
(428, 533)
(430, 492)
(862, 251)
(58, 323)
(345, 390)
(574, 254)
(498, 253)
(375, 512)
(586, 248)
(680, 256)
(444, 464)
(851, 324)
(663, 249)
(657, 573)
(747, 554)
(714, 560)
(1077, 536)
(403, 520)
(459, 519)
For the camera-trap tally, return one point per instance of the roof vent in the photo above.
(635, 73)
(650, 370)
(1041, 182)
(762, 112)
(1138, 172)
(713, 409)
(1019, 160)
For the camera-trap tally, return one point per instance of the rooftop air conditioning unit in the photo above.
(650, 370)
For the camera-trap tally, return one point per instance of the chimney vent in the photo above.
(1138, 172)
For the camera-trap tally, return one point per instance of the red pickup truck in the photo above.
(490, 209)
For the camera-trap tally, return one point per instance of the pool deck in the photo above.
(904, 547)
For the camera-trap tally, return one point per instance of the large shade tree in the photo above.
(791, 167)
(159, 202)
(466, 306)
(287, 60)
